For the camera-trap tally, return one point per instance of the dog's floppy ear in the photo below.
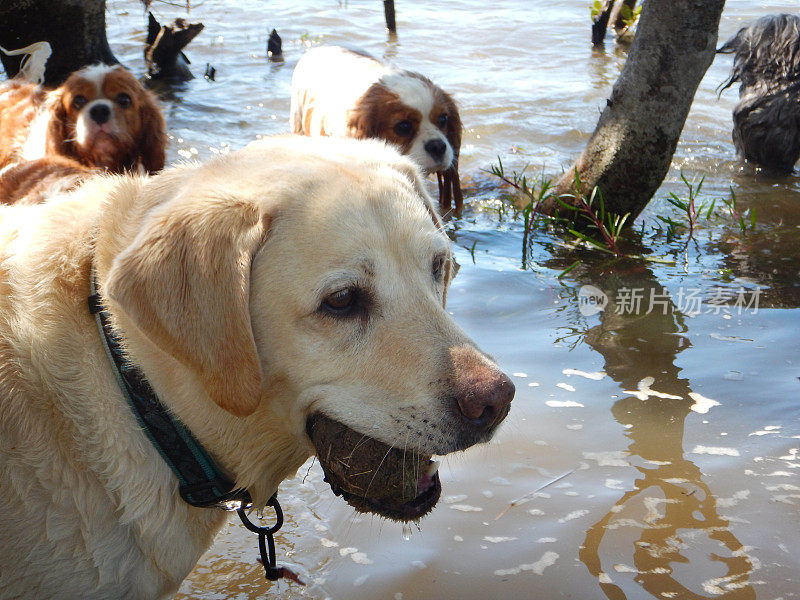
(363, 119)
(449, 181)
(360, 124)
(185, 283)
(152, 140)
(56, 143)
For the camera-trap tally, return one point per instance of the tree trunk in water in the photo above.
(388, 11)
(600, 24)
(631, 149)
(75, 29)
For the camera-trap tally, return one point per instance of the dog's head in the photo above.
(302, 277)
(411, 112)
(103, 117)
(765, 53)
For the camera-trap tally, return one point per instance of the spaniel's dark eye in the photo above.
(404, 128)
(78, 102)
(442, 122)
(341, 303)
(438, 268)
(123, 99)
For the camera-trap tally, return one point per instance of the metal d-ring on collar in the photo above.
(201, 483)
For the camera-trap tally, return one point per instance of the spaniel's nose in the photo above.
(436, 148)
(483, 392)
(100, 113)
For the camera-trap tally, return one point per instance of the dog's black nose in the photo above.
(100, 113)
(436, 148)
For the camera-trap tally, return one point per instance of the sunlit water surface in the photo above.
(669, 435)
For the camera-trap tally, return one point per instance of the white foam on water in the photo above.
(596, 376)
(702, 404)
(715, 451)
(564, 404)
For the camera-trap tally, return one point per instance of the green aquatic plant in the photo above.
(709, 211)
(533, 192)
(591, 213)
(590, 223)
(744, 219)
(471, 250)
(689, 207)
(629, 17)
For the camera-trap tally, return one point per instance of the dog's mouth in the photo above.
(371, 476)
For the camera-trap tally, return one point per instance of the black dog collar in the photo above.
(201, 483)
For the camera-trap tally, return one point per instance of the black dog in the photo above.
(766, 122)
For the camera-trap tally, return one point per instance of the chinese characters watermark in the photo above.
(688, 301)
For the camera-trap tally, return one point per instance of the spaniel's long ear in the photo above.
(359, 124)
(185, 283)
(449, 181)
(450, 189)
(362, 120)
(57, 136)
(152, 140)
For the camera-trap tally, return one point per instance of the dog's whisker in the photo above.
(405, 448)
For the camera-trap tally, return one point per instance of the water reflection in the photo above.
(392, 45)
(769, 256)
(684, 548)
(604, 67)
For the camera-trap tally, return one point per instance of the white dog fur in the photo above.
(213, 275)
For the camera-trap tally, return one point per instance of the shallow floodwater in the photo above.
(653, 449)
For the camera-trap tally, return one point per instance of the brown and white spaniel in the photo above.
(101, 116)
(34, 181)
(339, 92)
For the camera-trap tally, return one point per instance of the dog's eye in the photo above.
(341, 303)
(123, 99)
(78, 102)
(404, 128)
(442, 122)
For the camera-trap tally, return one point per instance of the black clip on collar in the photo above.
(266, 543)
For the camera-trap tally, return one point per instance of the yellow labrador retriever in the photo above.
(294, 278)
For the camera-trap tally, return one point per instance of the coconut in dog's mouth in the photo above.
(372, 476)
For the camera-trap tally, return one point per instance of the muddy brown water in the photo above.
(666, 425)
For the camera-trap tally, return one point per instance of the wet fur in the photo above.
(215, 290)
(766, 121)
(34, 181)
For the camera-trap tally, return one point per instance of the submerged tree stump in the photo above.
(274, 47)
(388, 12)
(600, 23)
(163, 51)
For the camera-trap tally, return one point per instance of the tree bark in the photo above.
(75, 29)
(631, 149)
